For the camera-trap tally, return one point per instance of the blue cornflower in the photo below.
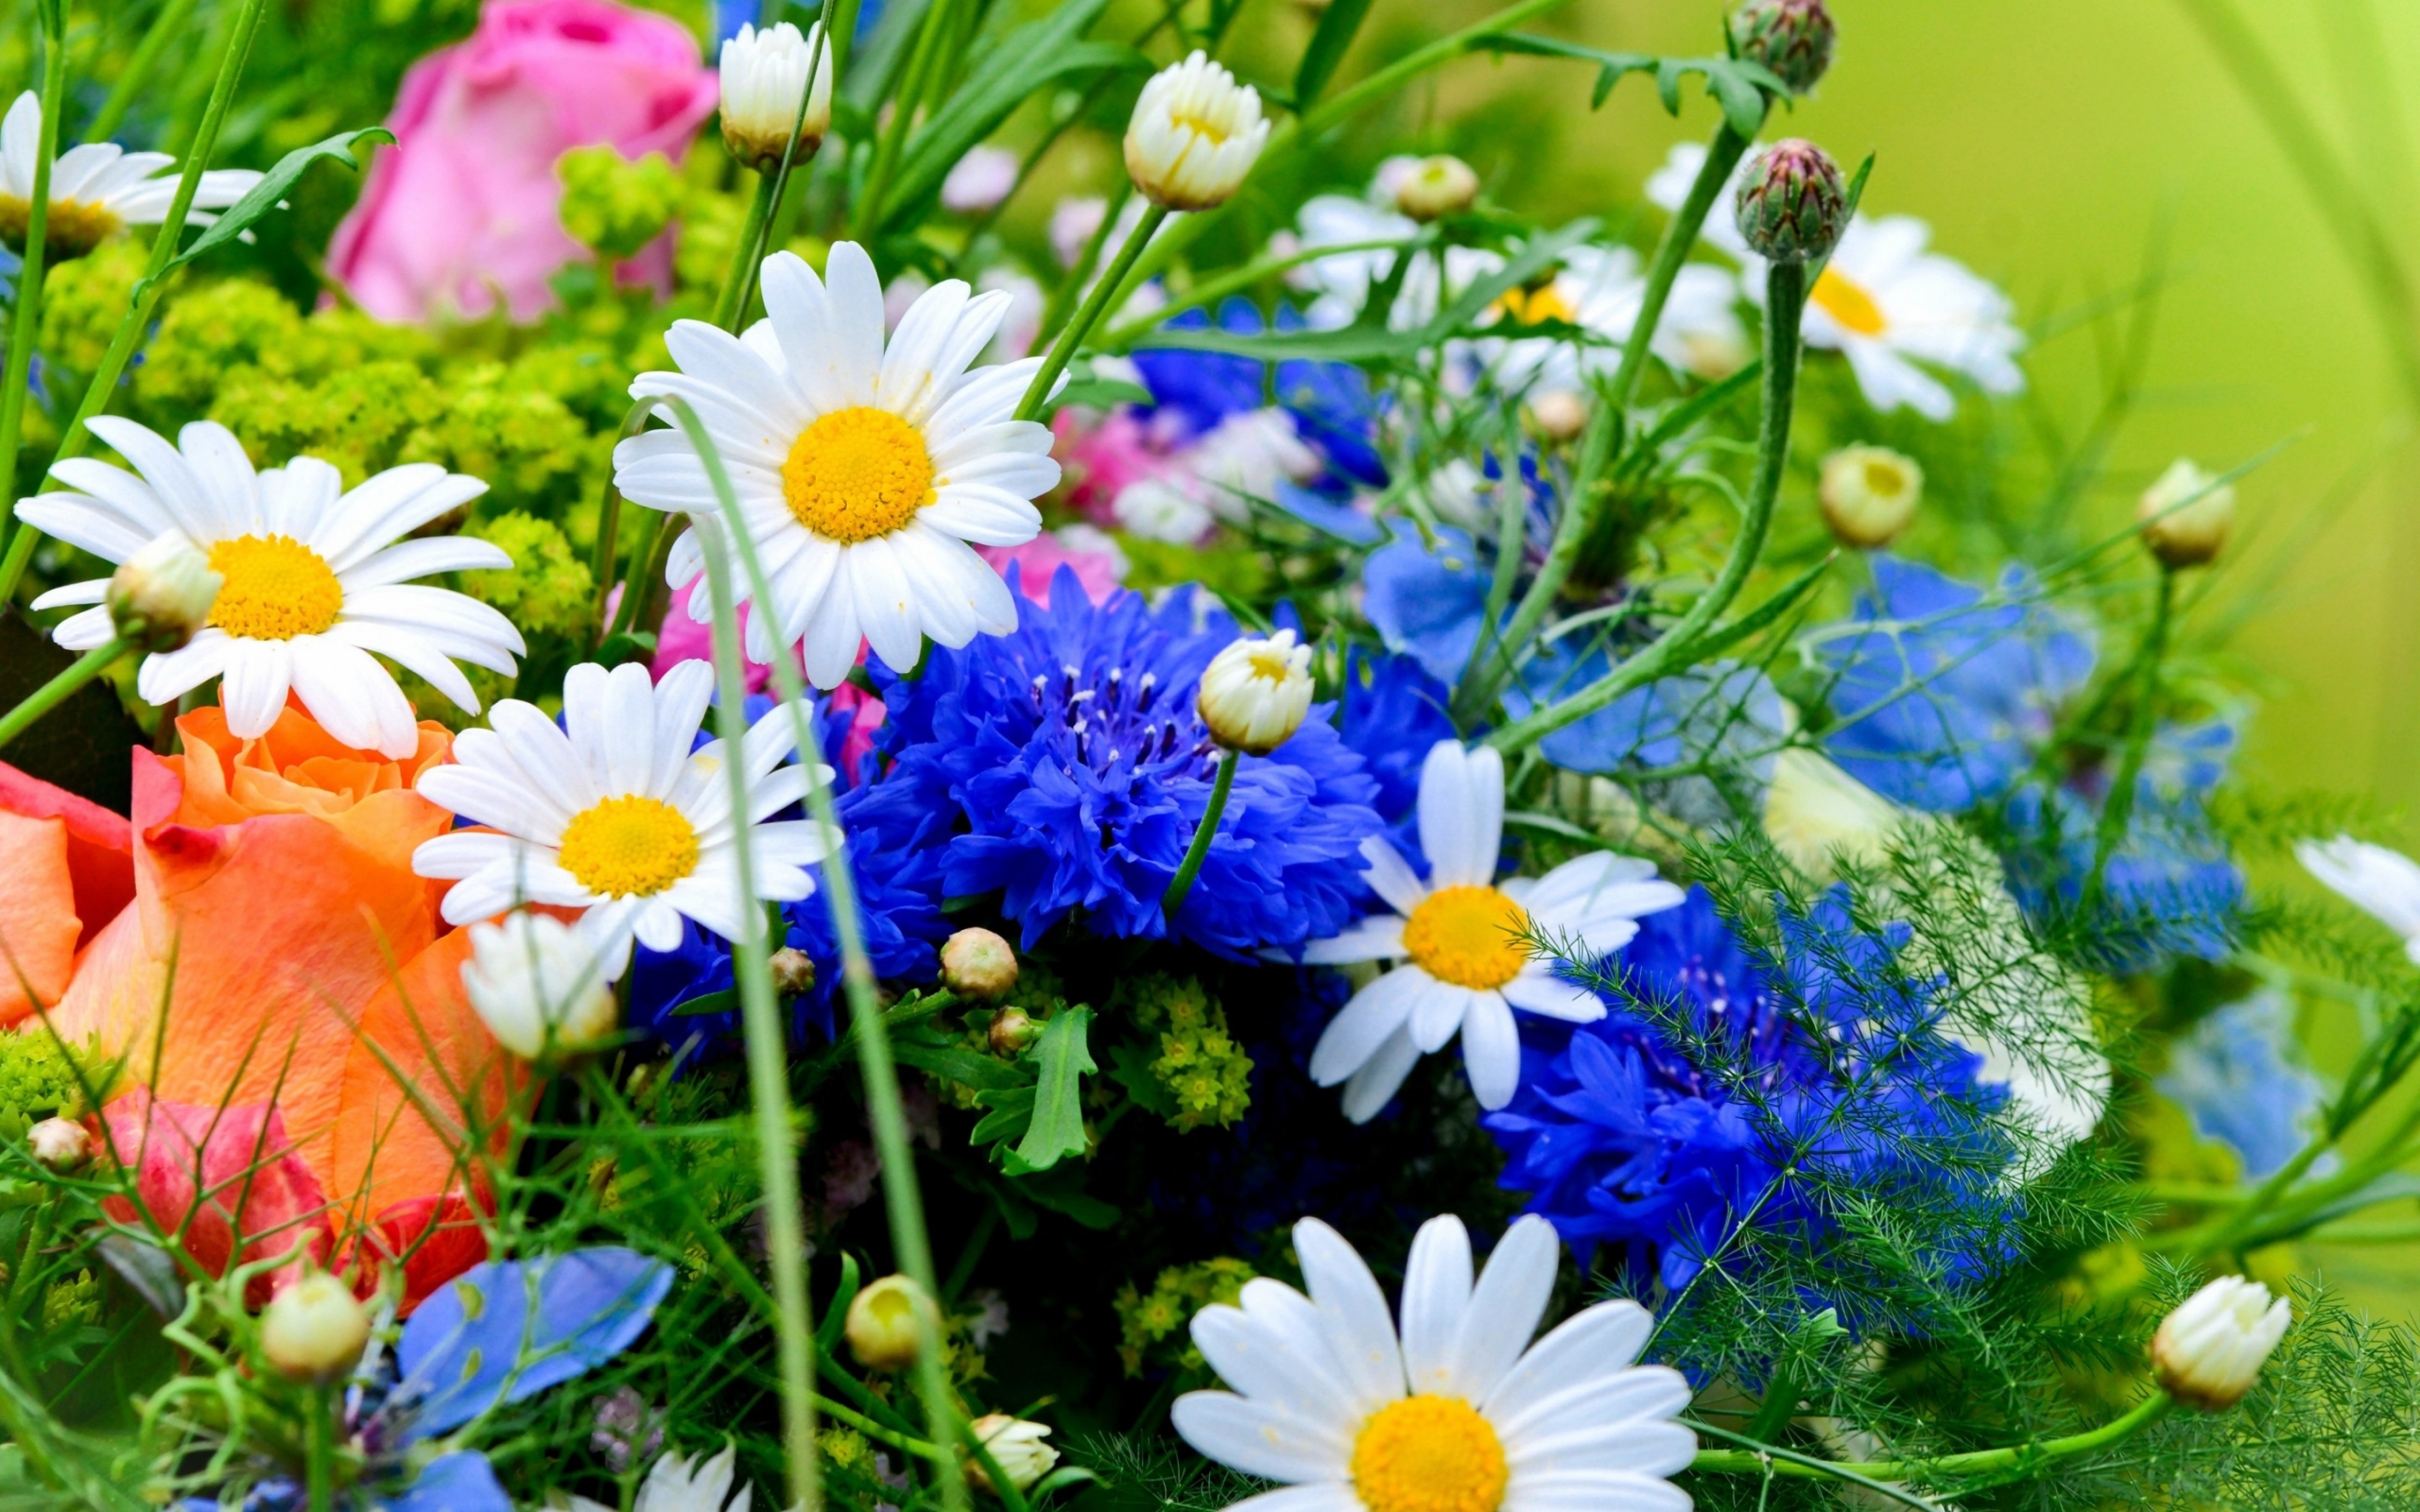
(1068, 766)
(2236, 1076)
(1724, 1090)
(1330, 402)
(1942, 689)
(1426, 600)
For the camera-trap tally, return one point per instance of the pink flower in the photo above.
(224, 1182)
(463, 208)
(1039, 560)
(1101, 457)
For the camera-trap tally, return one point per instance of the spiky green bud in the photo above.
(1793, 38)
(1793, 205)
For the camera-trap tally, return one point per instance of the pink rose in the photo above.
(1039, 560)
(463, 208)
(1099, 454)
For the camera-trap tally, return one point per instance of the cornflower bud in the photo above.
(793, 971)
(1869, 495)
(59, 1144)
(1436, 187)
(1194, 135)
(1255, 692)
(1012, 1030)
(315, 1330)
(539, 988)
(1559, 415)
(2209, 1352)
(163, 594)
(1016, 1446)
(976, 963)
(1793, 38)
(881, 1327)
(2181, 534)
(1793, 203)
(764, 75)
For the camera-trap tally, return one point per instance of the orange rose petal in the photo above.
(66, 871)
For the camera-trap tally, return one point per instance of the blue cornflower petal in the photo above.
(461, 1482)
(1426, 602)
(475, 1342)
(2236, 1077)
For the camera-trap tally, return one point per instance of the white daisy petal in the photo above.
(1322, 1496)
(1391, 876)
(1438, 1009)
(1504, 1310)
(1436, 1292)
(1378, 938)
(1352, 1311)
(1462, 814)
(1374, 1013)
(254, 687)
(1369, 1090)
(1258, 1440)
(1492, 1050)
(1595, 1492)
(1537, 989)
(1606, 1336)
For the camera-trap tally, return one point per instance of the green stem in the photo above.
(1722, 155)
(318, 1449)
(865, 215)
(163, 248)
(741, 276)
(609, 523)
(26, 329)
(761, 1017)
(1203, 833)
(2118, 808)
(50, 695)
(1784, 299)
(1064, 349)
(1209, 291)
(164, 27)
(1765, 1459)
(1087, 260)
(885, 1111)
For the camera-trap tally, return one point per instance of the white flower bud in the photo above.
(763, 73)
(1869, 495)
(163, 594)
(2184, 534)
(976, 963)
(1436, 187)
(314, 1329)
(1255, 692)
(539, 987)
(1016, 1446)
(979, 181)
(2209, 1352)
(1195, 133)
(59, 1144)
(1558, 414)
(882, 1328)
(1817, 815)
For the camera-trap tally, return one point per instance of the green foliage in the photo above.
(548, 589)
(1199, 1075)
(1151, 1325)
(612, 205)
(39, 1080)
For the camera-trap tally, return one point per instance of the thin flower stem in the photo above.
(1765, 1459)
(1673, 253)
(1785, 300)
(137, 73)
(760, 1016)
(318, 1449)
(741, 276)
(1203, 833)
(1064, 349)
(609, 523)
(2117, 809)
(50, 695)
(1087, 260)
(163, 248)
(26, 329)
(902, 1197)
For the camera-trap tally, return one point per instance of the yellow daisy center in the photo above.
(858, 474)
(1471, 937)
(630, 846)
(1538, 305)
(74, 227)
(1429, 1454)
(275, 589)
(1846, 301)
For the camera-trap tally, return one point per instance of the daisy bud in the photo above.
(1869, 495)
(976, 963)
(1013, 1031)
(1793, 203)
(1196, 132)
(1436, 187)
(1255, 692)
(1793, 38)
(314, 1329)
(59, 1144)
(1559, 415)
(2181, 534)
(163, 594)
(1016, 1446)
(539, 988)
(764, 74)
(2209, 1352)
(793, 971)
(882, 1323)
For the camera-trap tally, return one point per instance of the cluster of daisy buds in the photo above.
(159, 596)
(763, 76)
(1255, 692)
(1194, 135)
(1792, 38)
(2186, 515)
(1869, 495)
(2209, 1352)
(1792, 204)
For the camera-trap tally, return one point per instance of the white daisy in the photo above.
(1883, 301)
(2381, 883)
(316, 579)
(1456, 1412)
(864, 470)
(680, 1484)
(98, 189)
(1601, 290)
(613, 814)
(1345, 280)
(1460, 936)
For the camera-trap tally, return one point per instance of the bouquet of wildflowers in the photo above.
(912, 755)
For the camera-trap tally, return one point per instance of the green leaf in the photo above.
(835, 1313)
(726, 1001)
(1058, 1126)
(625, 645)
(266, 195)
(1744, 89)
(1010, 1114)
(1101, 393)
(1023, 64)
(956, 1063)
(1717, 641)
(1338, 25)
(1130, 1066)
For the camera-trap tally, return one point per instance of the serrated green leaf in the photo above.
(265, 195)
(1057, 1130)
(1744, 89)
(1338, 25)
(1010, 1114)
(968, 1068)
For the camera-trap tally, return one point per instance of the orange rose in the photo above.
(66, 869)
(280, 952)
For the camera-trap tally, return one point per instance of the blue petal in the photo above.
(454, 1483)
(475, 1343)
(1427, 602)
